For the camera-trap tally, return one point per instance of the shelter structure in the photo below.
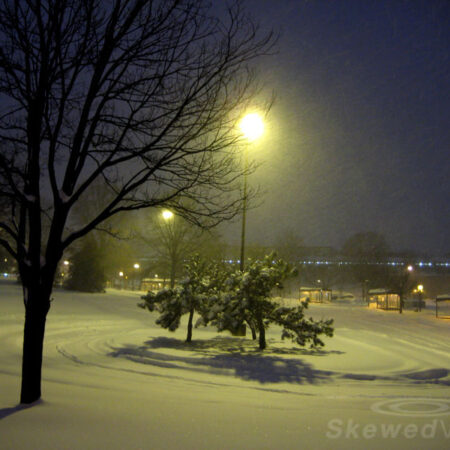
(383, 299)
(315, 294)
(153, 284)
(443, 306)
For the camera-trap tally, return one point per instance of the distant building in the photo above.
(315, 294)
(153, 284)
(383, 299)
(443, 306)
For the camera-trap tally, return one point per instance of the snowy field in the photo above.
(112, 379)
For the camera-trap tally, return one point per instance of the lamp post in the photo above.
(168, 217)
(252, 127)
(137, 282)
(419, 297)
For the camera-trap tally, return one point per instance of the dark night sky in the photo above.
(358, 138)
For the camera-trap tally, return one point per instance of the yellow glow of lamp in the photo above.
(252, 126)
(420, 288)
(167, 215)
(136, 266)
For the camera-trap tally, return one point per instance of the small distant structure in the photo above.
(152, 284)
(383, 299)
(440, 301)
(315, 294)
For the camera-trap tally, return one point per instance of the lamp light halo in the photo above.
(167, 215)
(252, 126)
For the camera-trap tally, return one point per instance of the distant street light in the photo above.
(167, 215)
(169, 234)
(419, 297)
(252, 127)
(136, 282)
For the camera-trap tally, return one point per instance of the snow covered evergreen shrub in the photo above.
(248, 299)
(230, 298)
(87, 273)
(196, 293)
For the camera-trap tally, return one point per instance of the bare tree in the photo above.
(141, 95)
(289, 245)
(171, 240)
(401, 281)
(365, 250)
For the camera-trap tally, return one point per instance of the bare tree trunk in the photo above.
(35, 318)
(189, 333)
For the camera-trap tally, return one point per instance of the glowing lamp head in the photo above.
(410, 268)
(252, 126)
(167, 215)
(420, 288)
(136, 266)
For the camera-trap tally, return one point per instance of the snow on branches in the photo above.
(230, 298)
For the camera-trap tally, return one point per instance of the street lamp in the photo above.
(419, 297)
(252, 127)
(136, 281)
(167, 215)
(169, 234)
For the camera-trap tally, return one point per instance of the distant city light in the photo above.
(136, 266)
(410, 268)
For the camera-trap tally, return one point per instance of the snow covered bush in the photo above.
(248, 299)
(230, 298)
(196, 293)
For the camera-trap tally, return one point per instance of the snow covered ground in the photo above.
(112, 379)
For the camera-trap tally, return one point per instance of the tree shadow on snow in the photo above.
(226, 356)
(5, 412)
(221, 344)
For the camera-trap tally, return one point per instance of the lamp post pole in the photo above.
(169, 217)
(252, 128)
(244, 216)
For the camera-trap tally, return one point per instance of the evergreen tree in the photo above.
(248, 298)
(195, 294)
(87, 270)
